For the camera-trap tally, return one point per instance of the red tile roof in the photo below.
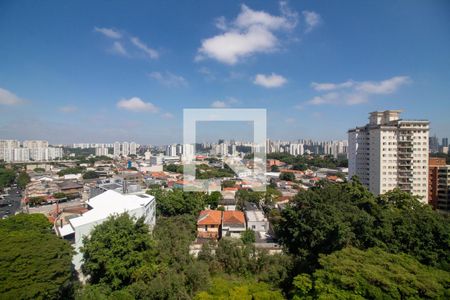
(209, 217)
(233, 217)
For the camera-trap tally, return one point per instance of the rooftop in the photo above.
(255, 216)
(208, 217)
(109, 203)
(233, 217)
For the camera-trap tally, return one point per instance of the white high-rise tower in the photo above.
(390, 152)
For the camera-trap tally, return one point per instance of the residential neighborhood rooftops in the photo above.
(208, 217)
(232, 217)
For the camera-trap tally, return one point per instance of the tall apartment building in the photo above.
(296, 149)
(433, 179)
(101, 151)
(6, 147)
(443, 199)
(125, 149)
(133, 148)
(390, 152)
(35, 144)
(171, 150)
(116, 151)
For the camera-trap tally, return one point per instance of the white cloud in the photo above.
(68, 109)
(383, 87)
(219, 104)
(230, 101)
(231, 46)
(221, 23)
(355, 92)
(168, 79)
(250, 33)
(152, 53)
(8, 98)
(331, 86)
(249, 17)
(312, 20)
(118, 48)
(136, 104)
(109, 32)
(324, 99)
(269, 81)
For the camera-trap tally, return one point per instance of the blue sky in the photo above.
(116, 70)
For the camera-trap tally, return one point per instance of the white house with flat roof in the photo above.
(101, 207)
(256, 220)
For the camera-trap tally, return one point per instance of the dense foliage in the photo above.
(72, 170)
(236, 288)
(372, 274)
(322, 230)
(116, 250)
(23, 179)
(176, 202)
(7, 177)
(324, 220)
(302, 162)
(173, 168)
(161, 268)
(90, 175)
(204, 171)
(34, 262)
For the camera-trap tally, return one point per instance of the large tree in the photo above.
(34, 262)
(372, 274)
(238, 288)
(116, 250)
(323, 220)
(172, 203)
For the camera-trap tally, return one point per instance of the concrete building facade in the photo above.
(390, 153)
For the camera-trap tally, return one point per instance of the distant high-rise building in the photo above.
(444, 142)
(6, 149)
(133, 148)
(116, 151)
(434, 144)
(171, 150)
(21, 154)
(147, 155)
(35, 144)
(101, 151)
(296, 149)
(125, 149)
(390, 152)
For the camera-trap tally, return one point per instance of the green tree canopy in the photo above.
(248, 236)
(323, 220)
(90, 175)
(34, 262)
(7, 176)
(372, 274)
(23, 179)
(213, 199)
(116, 250)
(236, 288)
(176, 202)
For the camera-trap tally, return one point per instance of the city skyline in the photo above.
(101, 76)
